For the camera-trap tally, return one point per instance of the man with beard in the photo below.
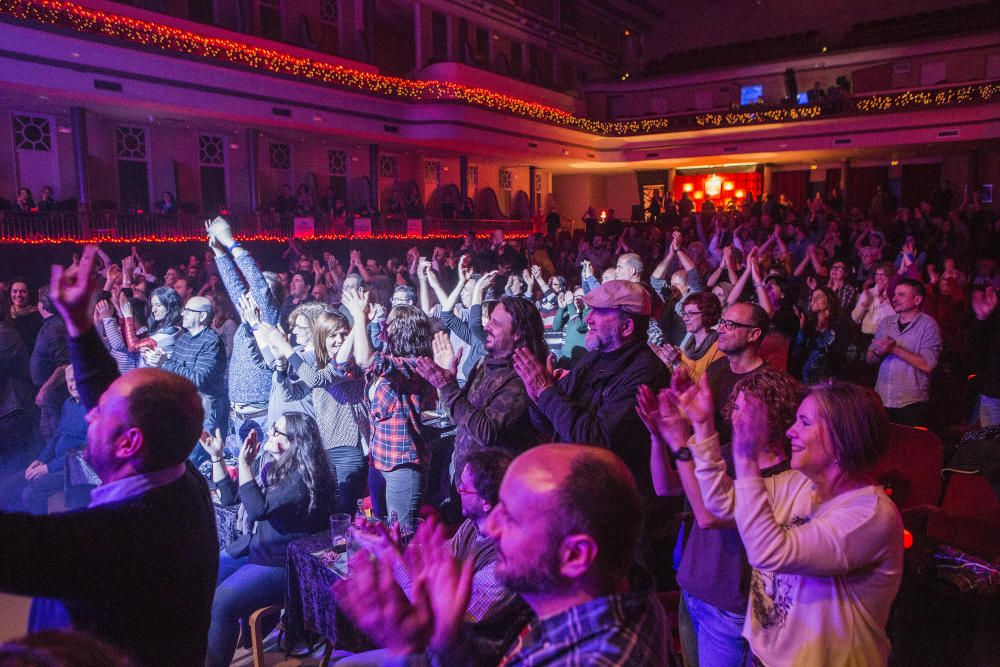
(595, 402)
(493, 608)
(491, 411)
(566, 528)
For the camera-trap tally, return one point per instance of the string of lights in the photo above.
(955, 95)
(67, 15)
(273, 238)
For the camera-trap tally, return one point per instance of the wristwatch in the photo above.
(683, 454)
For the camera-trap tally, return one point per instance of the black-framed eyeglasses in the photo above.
(691, 313)
(730, 325)
(275, 431)
(464, 490)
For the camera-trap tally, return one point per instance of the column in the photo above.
(845, 168)
(78, 125)
(463, 179)
(669, 185)
(768, 172)
(373, 194)
(533, 204)
(252, 178)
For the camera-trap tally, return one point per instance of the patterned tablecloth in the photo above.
(309, 604)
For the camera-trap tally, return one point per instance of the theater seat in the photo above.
(969, 518)
(910, 469)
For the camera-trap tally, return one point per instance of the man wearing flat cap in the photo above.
(199, 355)
(595, 402)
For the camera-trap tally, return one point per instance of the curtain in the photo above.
(861, 184)
(794, 185)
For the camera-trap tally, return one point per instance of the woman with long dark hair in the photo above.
(825, 340)
(163, 325)
(397, 394)
(291, 496)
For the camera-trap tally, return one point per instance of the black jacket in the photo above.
(595, 405)
(139, 573)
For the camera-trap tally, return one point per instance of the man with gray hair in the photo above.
(199, 355)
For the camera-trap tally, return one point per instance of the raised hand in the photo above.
(249, 309)
(693, 398)
(212, 444)
(484, 281)
(251, 445)
(72, 289)
(220, 234)
(668, 354)
(751, 430)
(432, 372)
(356, 302)
(586, 269)
(536, 377)
(379, 608)
(444, 352)
(442, 581)
(124, 306)
(102, 310)
(984, 303)
(423, 268)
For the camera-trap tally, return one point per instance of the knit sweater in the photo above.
(250, 377)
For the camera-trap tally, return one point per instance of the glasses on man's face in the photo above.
(731, 325)
(463, 489)
(691, 313)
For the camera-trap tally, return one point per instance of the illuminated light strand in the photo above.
(152, 35)
(910, 99)
(164, 38)
(275, 238)
(733, 119)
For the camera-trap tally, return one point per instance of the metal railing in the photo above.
(107, 226)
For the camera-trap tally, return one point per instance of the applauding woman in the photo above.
(824, 540)
(291, 496)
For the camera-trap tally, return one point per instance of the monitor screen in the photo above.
(750, 94)
(803, 98)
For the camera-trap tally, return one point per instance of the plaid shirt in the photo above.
(397, 394)
(627, 629)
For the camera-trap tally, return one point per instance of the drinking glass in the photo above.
(339, 523)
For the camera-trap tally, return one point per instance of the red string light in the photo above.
(273, 238)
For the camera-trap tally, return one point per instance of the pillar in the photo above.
(373, 194)
(78, 125)
(252, 178)
(845, 180)
(768, 174)
(533, 202)
(463, 178)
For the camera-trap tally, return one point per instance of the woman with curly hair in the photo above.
(823, 538)
(291, 496)
(714, 572)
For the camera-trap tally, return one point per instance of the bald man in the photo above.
(137, 568)
(566, 528)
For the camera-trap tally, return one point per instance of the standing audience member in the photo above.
(49, 360)
(595, 402)
(824, 540)
(24, 316)
(906, 349)
(138, 567)
(984, 333)
(200, 356)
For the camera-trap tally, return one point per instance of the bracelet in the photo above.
(218, 460)
(758, 284)
(236, 244)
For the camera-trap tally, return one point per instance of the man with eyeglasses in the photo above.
(493, 609)
(741, 331)
(199, 355)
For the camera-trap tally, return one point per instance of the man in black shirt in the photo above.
(138, 567)
(741, 332)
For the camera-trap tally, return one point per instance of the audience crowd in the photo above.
(748, 359)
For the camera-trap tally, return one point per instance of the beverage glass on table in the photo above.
(339, 524)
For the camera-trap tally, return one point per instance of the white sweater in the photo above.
(824, 575)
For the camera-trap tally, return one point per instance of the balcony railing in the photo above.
(17, 227)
